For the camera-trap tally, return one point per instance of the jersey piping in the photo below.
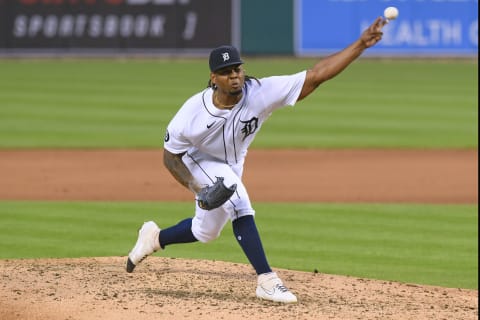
(223, 127)
(235, 121)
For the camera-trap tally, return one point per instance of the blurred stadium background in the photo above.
(268, 27)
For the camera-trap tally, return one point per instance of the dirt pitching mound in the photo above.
(167, 288)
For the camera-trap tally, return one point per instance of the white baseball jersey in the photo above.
(216, 142)
(201, 128)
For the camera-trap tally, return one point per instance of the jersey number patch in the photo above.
(167, 136)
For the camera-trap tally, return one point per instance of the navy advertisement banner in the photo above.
(115, 24)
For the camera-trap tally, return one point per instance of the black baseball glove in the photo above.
(211, 197)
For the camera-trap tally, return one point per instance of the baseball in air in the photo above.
(391, 13)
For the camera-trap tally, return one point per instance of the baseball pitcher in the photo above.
(205, 147)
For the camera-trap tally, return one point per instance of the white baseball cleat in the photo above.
(147, 243)
(270, 287)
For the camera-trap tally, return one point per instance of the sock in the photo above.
(179, 233)
(246, 233)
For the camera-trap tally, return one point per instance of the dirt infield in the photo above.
(440, 176)
(165, 288)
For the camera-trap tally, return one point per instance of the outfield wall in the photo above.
(193, 27)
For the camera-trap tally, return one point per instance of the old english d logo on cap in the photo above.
(224, 56)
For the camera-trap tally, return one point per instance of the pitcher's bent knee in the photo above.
(205, 235)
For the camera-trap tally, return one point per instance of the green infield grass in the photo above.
(423, 244)
(128, 103)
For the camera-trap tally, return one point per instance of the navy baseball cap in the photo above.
(224, 56)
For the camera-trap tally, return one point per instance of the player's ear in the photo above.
(213, 80)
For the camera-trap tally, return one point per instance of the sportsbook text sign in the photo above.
(115, 24)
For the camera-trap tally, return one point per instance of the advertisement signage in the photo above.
(115, 24)
(430, 27)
